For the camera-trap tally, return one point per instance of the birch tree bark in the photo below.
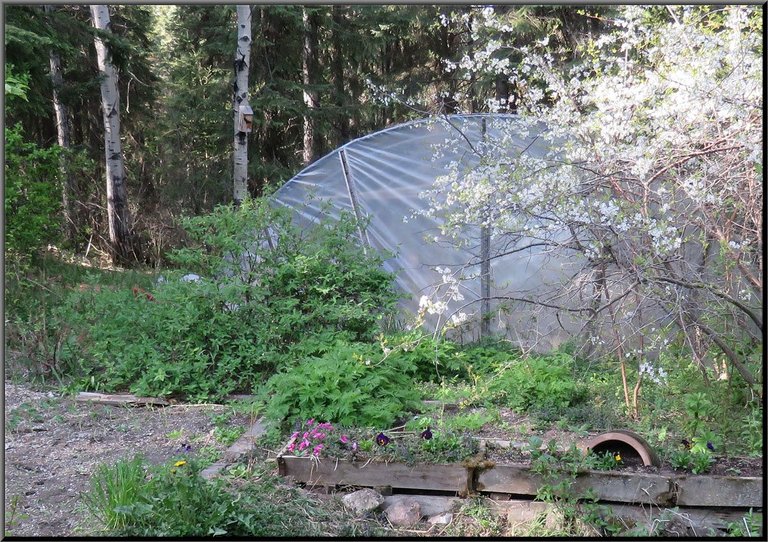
(64, 135)
(242, 63)
(117, 201)
(309, 71)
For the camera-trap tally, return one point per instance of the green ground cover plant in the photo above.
(42, 344)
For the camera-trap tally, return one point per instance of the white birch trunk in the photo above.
(242, 63)
(117, 208)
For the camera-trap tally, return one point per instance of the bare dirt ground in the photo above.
(54, 444)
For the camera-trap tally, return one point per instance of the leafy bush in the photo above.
(432, 359)
(538, 382)
(437, 360)
(261, 304)
(32, 195)
(352, 384)
(300, 280)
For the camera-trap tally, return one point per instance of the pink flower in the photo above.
(344, 439)
(310, 422)
(304, 444)
(316, 450)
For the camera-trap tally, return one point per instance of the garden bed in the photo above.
(518, 480)
(508, 473)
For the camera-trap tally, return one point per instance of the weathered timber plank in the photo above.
(720, 491)
(609, 486)
(682, 521)
(629, 487)
(119, 399)
(329, 472)
(514, 479)
(699, 521)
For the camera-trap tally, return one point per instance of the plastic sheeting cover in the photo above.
(387, 171)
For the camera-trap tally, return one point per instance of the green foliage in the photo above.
(699, 408)
(433, 359)
(447, 446)
(558, 471)
(350, 384)
(472, 421)
(750, 525)
(230, 330)
(131, 499)
(540, 382)
(39, 345)
(443, 360)
(603, 461)
(752, 432)
(32, 195)
(16, 85)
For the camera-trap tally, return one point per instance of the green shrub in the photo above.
(351, 385)
(538, 382)
(32, 195)
(438, 359)
(232, 329)
(432, 359)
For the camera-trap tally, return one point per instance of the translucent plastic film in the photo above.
(386, 174)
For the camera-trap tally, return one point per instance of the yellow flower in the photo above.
(617, 457)
(180, 463)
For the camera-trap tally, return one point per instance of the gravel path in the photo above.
(54, 444)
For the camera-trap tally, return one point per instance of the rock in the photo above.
(362, 501)
(431, 505)
(405, 511)
(441, 519)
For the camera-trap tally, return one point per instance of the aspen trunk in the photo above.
(64, 136)
(117, 201)
(242, 63)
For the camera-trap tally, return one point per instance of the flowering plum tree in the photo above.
(652, 190)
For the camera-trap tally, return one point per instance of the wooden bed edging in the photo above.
(329, 472)
(620, 487)
(688, 521)
(635, 487)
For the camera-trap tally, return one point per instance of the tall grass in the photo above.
(115, 493)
